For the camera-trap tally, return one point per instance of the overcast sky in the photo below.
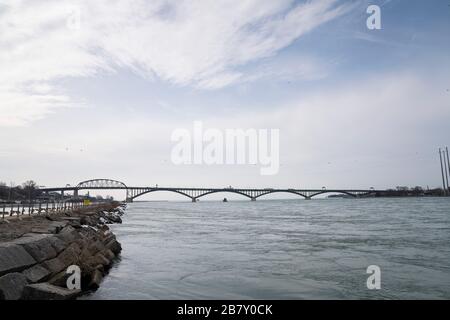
(356, 108)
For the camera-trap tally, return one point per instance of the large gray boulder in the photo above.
(12, 286)
(109, 254)
(68, 234)
(67, 257)
(70, 255)
(54, 266)
(13, 258)
(96, 247)
(38, 246)
(114, 246)
(101, 259)
(60, 279)
(96, 279)
(50, 227)
(47, 291)
(57, 244)
(36, 273)
(57, 226)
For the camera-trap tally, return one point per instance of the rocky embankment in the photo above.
(36, 251)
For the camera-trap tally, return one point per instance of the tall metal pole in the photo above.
(445, 170)
(442, 172)
(448, 166)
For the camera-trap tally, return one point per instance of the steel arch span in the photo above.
(101, 183)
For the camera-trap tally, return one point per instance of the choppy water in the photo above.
(282, 249)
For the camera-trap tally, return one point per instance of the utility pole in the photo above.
(442, 172)
(445, 170)
(448, 166)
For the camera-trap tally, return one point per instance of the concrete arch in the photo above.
(230, 191)
(161, 189)
(334, 191)
(283, 191)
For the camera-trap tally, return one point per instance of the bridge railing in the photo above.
(33, 208)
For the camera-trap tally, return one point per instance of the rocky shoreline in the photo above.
(36, 251)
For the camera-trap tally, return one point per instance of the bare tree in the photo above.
(29, 189)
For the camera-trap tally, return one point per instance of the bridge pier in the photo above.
(308, 198)
(194, 200)
(129, 200)
(253, 199)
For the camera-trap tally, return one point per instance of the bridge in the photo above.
(195, 193)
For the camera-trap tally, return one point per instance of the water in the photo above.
(282, 249)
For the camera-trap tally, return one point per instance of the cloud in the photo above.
(189, 43)
(380, 131)
(20, 107)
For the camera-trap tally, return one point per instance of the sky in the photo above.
(95, 89)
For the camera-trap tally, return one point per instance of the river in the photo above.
(282, 249)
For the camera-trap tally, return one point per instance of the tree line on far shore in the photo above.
(29, 190)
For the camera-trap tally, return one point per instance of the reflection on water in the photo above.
(282, 249)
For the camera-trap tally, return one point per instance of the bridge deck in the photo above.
(195, 193)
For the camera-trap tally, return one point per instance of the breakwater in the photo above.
(36, 252)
